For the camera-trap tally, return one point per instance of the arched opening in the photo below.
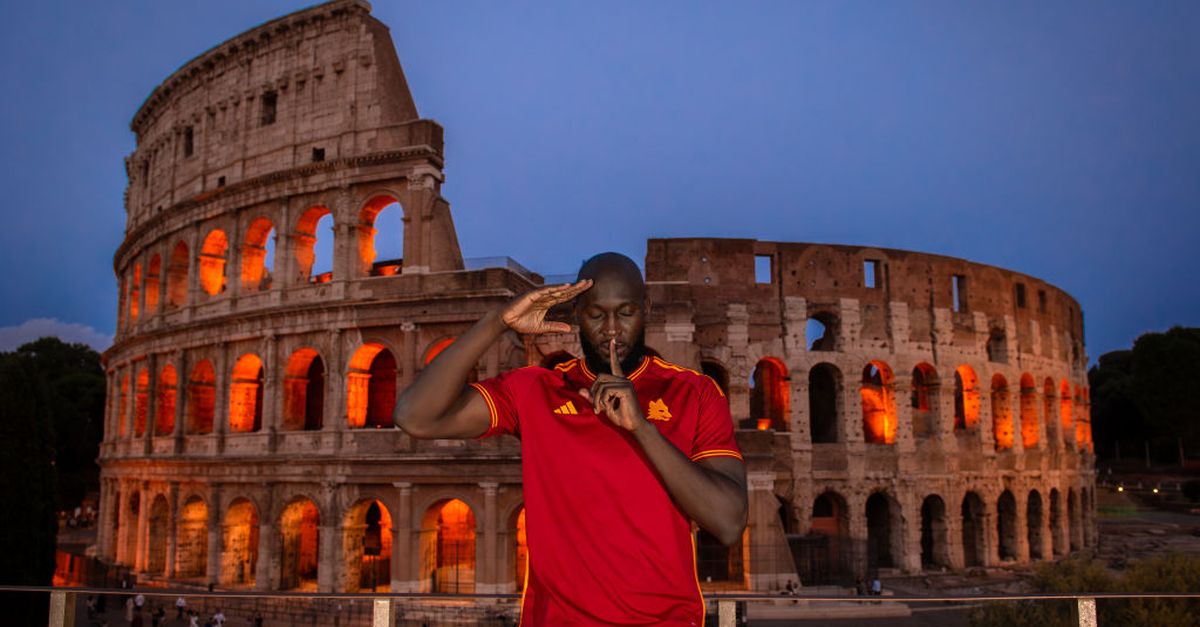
(1030, 436)
(878, 404)
(141, 401)
(448, 548)
(201, 398)
(1006, 525)
(1073, 526)
(304, 391)
(177, 276)
(821, 331)
(300, 545)
(1066, 411)
(191, 551)
(371, 387)
(966, 398)
(153, 283)
(769, 395)
(554, 359)
(123, 406)
(135, 293)
(436, 349)
(997, 346)
(239, 544)
(884, 536)
(212, 262)
(367, 547)
(1080, 417)
(935, 552)
(258, 255)
(833, 557)
(130, 525)
(520, 551)
(1085, 517)
(1002, 419)
(164, 413)
(717, 373)
(823, 397)
(924, 401)
(313, 242)
(381, 237)
(1056, 528)
(245, 395)
(114, 519)
(973, 533)
(1033, 524)
(156, 536)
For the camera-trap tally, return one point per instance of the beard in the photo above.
(598, 361)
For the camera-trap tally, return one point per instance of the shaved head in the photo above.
(613, 267)
(612, 312)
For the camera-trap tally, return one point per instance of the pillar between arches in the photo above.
(403, 557)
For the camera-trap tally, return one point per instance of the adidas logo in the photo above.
(567, 409)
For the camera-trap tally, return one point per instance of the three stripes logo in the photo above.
(567, 409)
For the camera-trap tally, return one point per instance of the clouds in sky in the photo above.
(70, 332)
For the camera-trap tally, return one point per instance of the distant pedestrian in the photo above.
(180, 605)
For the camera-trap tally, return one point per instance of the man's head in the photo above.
(615, 307)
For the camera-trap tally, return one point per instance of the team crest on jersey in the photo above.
(658, 411)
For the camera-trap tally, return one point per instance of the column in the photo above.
(120, 552)
(765, 573)
(143, 519)
(329, 540)
(266, 572)
(335, 382)
(221, 410)
(487, 581)
(403, 556)
(271, 388)
(910, 514)
(172, 527)
(151, 403)
(1022, 527)
(181, 398)
(213, 565)
(901, 400)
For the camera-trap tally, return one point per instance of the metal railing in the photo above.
(384, 609)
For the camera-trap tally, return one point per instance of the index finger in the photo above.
(613, 363)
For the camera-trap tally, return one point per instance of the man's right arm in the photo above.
(439, 404)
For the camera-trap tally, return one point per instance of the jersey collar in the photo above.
(591, 376)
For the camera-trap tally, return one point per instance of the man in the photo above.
(613, 466)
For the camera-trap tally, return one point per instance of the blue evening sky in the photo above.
(1059, 139)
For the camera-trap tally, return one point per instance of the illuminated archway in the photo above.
(177, 276)
(966, 398)
(258, 255)
(1048, 410)
(381, 237)
(141, 401)
(313, 240)
(1030, 430)
(156, 536)
(520, 550)
(1066, 413)
(1006, 525)
(164, 412)
(1056, 524)
(371, 387)
(437, 347)
(201, 398)
(448, 548)
(212, 262)
(304, 391)
(1002, 419)
(367, 547)
(191, 553)
(153, 281)
(769, 395)
(924, 401)
(935, 550)
(878, 404)
(135, 292)
(239, 544)
(1033, 524)
(300, 545)
(245, 395)
(974, 538)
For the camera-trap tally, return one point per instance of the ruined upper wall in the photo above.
(712, 272)
(316, 85)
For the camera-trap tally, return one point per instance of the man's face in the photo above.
(611, 309)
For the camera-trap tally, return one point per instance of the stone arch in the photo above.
(966, 398)
(299, 537)
(310, 266)
(177, 276)
(714, 370)
(1034, 523)
(821, 331)
(1066, 413)
(831, 520)
(239, 544)
(164, 412)
(997, 346)
(141, 400)
(191, 551)
(885, 531)
(769, 395)
(246, 394)
(878, 403)
(367, 546)
(824, 403)
(925, 401)
(201, 398)
(1085, 516)
(304, 391)
(1030, 430)
(258, 255)
(153, 284)
(1073, 525)
(371, 387)
(1002, 418)
(383, 209)
(448, 533)
(1056, 524)
(157, 530)
(436, 347)
(974, 534)
(212, 262)
(935, 549)
(1007, 526)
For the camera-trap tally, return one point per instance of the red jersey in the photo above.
(607, 545)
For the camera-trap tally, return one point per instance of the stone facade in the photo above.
(248, 430)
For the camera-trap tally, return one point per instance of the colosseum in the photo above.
(899, 411)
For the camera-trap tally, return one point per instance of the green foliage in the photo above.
(1169, 573)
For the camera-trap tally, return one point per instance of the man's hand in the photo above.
(613, 395)
(527, 314)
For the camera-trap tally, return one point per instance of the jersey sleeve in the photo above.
(498, 393)
(714, 427)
